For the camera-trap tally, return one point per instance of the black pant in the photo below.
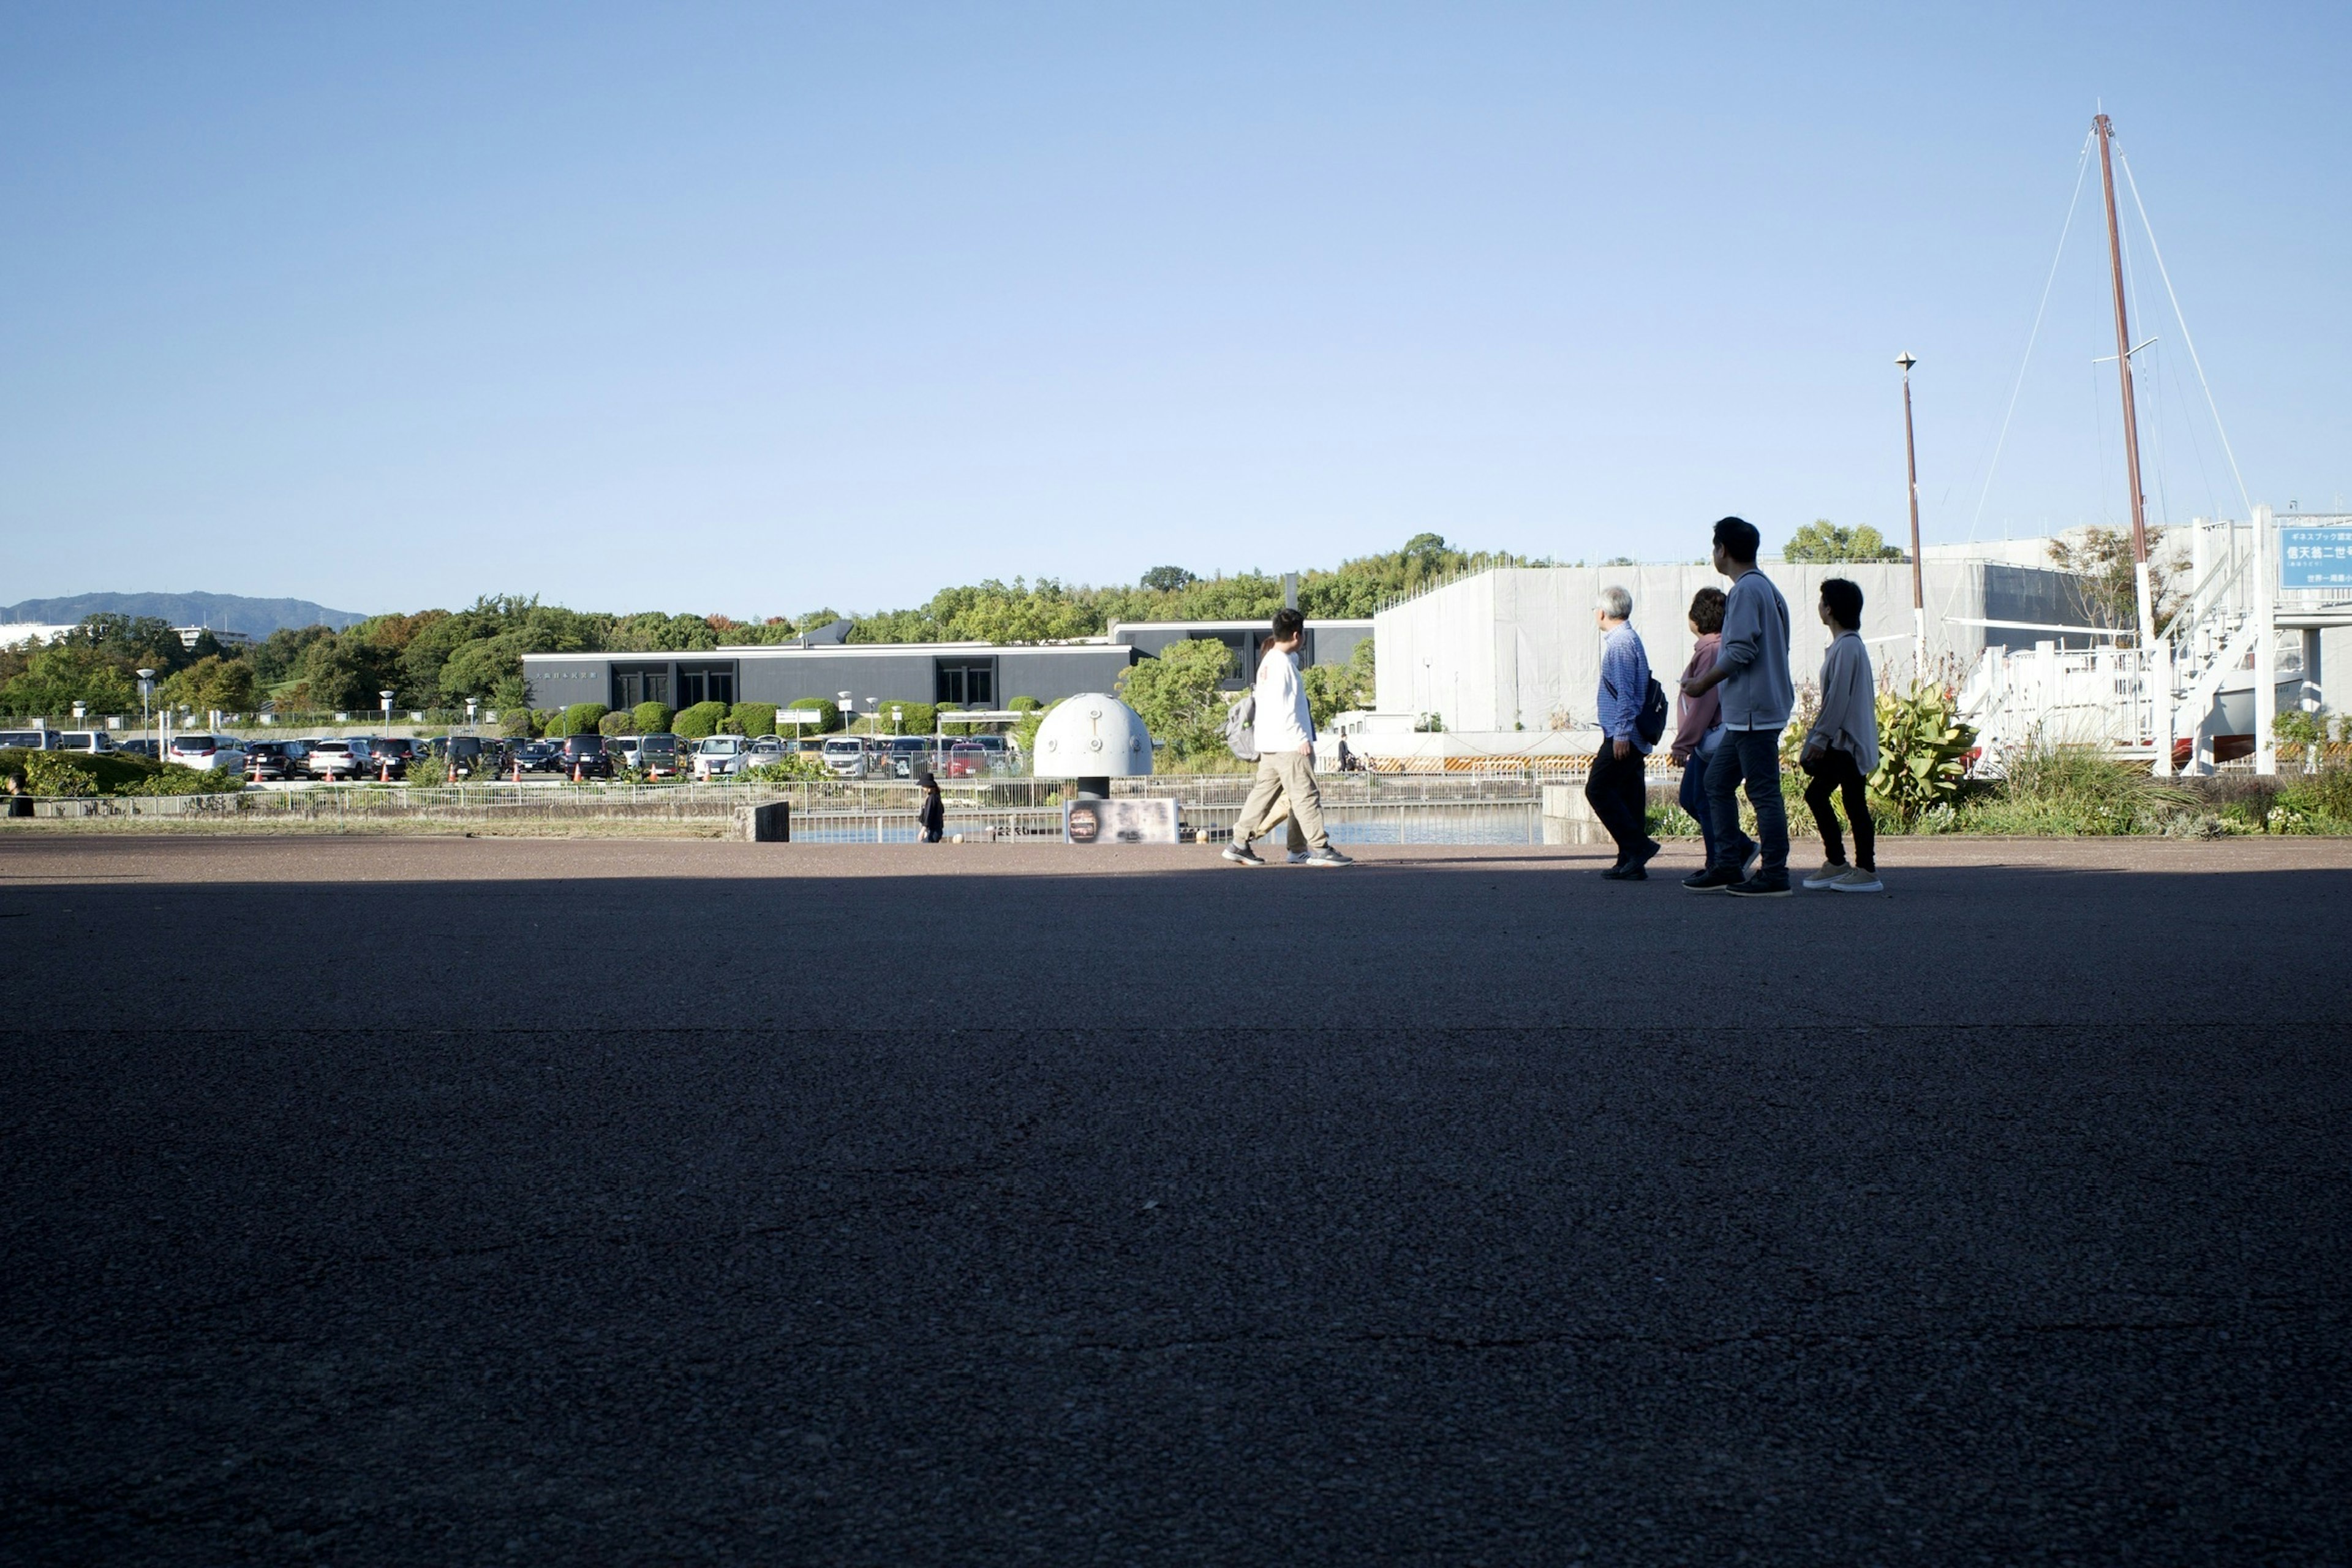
(1619, 799)
(1833, 770)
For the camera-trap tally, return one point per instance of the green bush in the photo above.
(623, 722)
(1177, 696)
(104, 773)
(1923, 751)
(753, 718)
(580, 718)
(698, 723)
(792, 769)
(2326, 794)
(2077, 791)
(915, 718)
(828, 715)
(58, 774)
(650, 718)
(187, 780)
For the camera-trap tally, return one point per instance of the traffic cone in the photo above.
(576, 771)
(385, 777)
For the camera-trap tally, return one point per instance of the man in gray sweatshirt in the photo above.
(1752, 667)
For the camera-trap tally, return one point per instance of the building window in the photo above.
(967, 683)
(648, 683)
(705, 683)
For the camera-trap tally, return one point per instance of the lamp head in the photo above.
(1906, 361)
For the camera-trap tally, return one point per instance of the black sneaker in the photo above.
(1243, 855)
(1650, 850)
(1633, 873)
(1715, 878)
(1760, 887)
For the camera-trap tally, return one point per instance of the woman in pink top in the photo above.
(1701, 727)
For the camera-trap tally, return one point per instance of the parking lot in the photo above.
(445, 1200)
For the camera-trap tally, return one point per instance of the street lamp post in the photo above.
(146, 688)
(1918, 589)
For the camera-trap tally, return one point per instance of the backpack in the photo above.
(1652, 721)
(1240, 727)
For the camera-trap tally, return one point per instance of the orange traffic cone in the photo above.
(386, 776)
(576, 771)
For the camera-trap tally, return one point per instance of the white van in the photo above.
(847, 756)
(91, 741)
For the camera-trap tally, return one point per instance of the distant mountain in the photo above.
(222, 612)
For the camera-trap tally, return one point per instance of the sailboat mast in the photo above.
(2123, 374)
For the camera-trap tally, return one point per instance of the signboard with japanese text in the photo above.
(1128, 820)
(2315, 557)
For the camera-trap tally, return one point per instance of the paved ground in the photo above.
(443, 1201)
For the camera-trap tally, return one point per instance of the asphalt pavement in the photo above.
(467, 1201)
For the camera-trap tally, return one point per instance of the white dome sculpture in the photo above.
(1093, 735)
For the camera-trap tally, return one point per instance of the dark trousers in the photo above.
(1752, 756)
(1834, 771)
(1615, 788)
(1694, 800)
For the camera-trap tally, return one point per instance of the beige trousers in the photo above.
(1284, 786)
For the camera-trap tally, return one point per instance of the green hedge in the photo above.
(54, 773)
(580, 718)
(753, 718)
(699, 721)
(650, 718)
(915, 718)
(829, 716)
(623, 722)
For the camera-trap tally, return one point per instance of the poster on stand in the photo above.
(1133, 821)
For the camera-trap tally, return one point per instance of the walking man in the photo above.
(1752, 667)
(1614, 784)
(1286, 753)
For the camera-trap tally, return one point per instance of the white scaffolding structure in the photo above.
(2246, 638)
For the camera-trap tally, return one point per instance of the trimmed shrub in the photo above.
(580, 718)
(828, 716)
(623, 722)
(914, 717)
(1024, 705)
(753, 718)
(650, 718)
(698, 723)
(106, 773)
(58, 774)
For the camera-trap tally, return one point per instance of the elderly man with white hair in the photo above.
(1615, 786)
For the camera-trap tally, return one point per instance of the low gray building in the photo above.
(969, 675)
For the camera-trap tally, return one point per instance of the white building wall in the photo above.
(1517, 648)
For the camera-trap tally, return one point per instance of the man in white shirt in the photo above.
(1286, 753)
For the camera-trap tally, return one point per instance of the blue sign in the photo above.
(2316, 557)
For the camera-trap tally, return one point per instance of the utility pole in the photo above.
(2123, 374)
(1918, 589)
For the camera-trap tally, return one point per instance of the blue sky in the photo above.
(754, 308)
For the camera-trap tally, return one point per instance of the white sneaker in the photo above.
(1828, 875)
(1857, 881)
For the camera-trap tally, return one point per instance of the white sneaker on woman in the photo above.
(1828, 875)
(1858, 881)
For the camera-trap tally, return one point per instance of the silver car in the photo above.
(720, 757)
(205, 752)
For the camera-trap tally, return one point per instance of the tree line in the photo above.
(437, 658)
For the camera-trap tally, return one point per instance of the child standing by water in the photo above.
(1841, 748)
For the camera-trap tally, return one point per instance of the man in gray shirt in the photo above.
(1752, 667)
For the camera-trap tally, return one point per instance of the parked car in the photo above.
(766, 749)
(964, 761)
(721, 757)
(537, 757)
(623, 749)
(95, 741)
(274, 762)
(847, 756)
(584, 755)
(657, 755)
(205, 752)
(331, 759)
(382, 757)
(139, 748)
(31, 740)
(909, 755)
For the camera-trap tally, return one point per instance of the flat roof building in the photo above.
(967, 674)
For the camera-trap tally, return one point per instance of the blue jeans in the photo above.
(1694, 800)
(1753, 756)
